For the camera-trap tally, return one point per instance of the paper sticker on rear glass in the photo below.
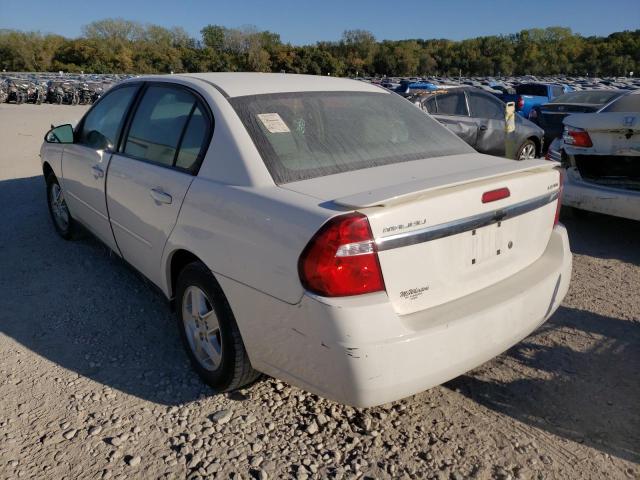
(273, 122)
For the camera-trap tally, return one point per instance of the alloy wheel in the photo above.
(59, 207)
(202, 328)
(528, 152)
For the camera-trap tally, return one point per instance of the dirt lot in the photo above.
(94, 382)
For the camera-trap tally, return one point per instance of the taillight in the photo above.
(561, 181)
(520, 103)
(576, 137)
(341, 259)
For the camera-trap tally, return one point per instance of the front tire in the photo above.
(62, 220)
(209, 331)
(527, 151)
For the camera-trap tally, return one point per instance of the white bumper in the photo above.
(597, 198)
(358, 351)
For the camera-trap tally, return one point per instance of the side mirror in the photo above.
(60, 134)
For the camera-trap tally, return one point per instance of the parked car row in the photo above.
(21, 88)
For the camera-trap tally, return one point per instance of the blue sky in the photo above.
(302, 22)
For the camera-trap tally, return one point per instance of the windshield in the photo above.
(595, 97)
(313, 134)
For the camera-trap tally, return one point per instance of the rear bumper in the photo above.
(584, 195)
(358, 351)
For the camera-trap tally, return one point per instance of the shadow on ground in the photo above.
(589, 396)
(81, 308)
(603, 236)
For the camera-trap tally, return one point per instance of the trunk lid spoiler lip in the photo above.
(404, 192)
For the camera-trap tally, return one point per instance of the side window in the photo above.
(452, 104)
(193, 140)
(102, 124)
(158, 123)
(557, 90)
(483, 106)
(430, 105)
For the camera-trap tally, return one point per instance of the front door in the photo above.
(85, 162)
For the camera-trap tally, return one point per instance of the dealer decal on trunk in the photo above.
(413, 293)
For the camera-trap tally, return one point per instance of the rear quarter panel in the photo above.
(251, 235)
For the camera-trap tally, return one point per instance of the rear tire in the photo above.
(209, 331)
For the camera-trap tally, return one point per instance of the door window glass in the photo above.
(452, 104)
(430, 105)
(158, 124)
(193, 140)
(102, 124)
(483, 106)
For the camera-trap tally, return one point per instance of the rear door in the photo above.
(150, 175)
(85, 162)
(451, 110)
(488, 113)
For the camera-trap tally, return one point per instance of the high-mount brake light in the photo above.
(494, 195)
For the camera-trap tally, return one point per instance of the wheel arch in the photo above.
(47, 169)
(538, 143)
(178, 259)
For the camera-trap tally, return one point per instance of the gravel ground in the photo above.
(94, 382)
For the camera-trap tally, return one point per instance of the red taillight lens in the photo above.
(559, 205)
(577, 137)
(493, 195)
(341, 259)
(520, 103)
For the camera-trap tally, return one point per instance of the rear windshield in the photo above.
(313, 134)
(629, 104)
(535, 90)
(593, 97)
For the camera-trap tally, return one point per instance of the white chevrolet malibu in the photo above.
(320, 230)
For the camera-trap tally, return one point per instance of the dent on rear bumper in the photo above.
(358, 351)
(589, 196)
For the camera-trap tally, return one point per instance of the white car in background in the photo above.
(603, 159)
(321, 230)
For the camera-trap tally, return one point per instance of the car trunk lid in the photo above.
(437, 241)
(615, 133)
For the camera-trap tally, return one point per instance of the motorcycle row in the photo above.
(59, 91)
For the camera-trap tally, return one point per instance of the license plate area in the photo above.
(492, 242)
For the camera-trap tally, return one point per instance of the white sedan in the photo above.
(321, 230)
(603, 159)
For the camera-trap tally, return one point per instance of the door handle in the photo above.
(97, 171)
(483, 128)
(160, 196)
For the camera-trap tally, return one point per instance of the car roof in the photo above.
(237, 84)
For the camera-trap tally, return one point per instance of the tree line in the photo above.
(123, 46)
